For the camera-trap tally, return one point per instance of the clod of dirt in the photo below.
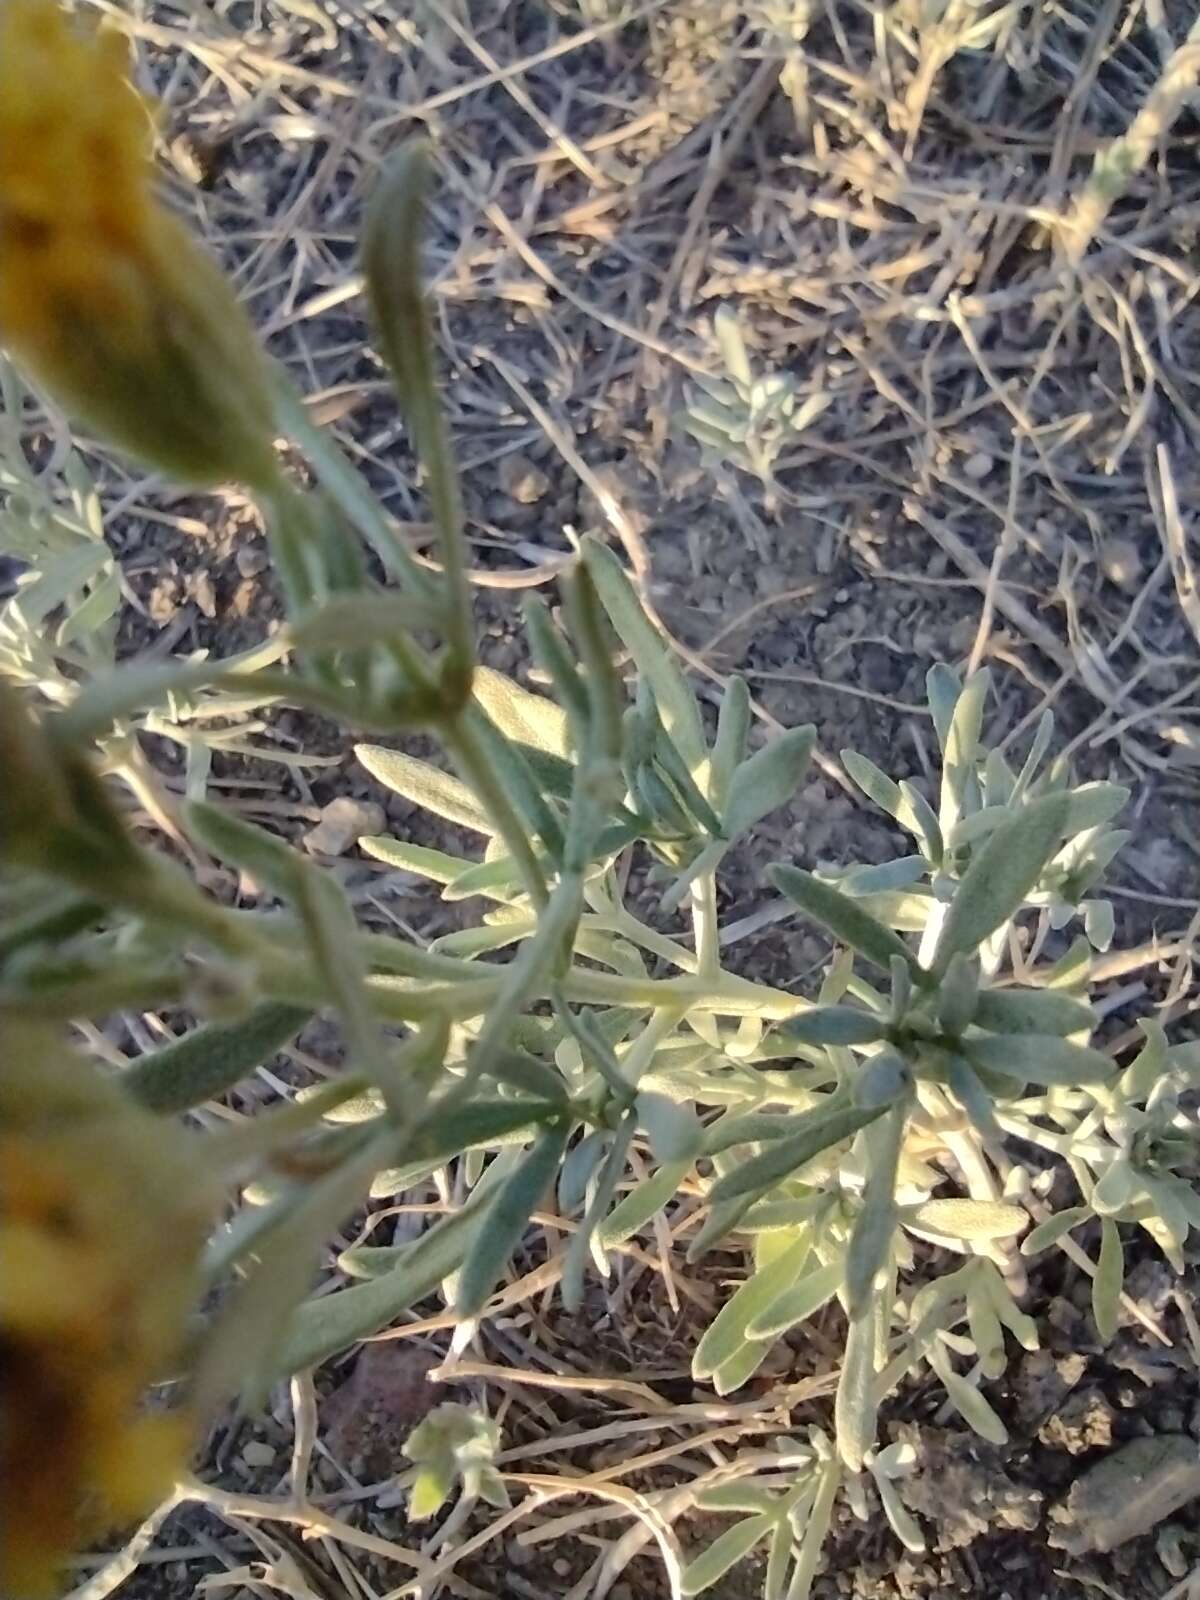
(344, 822)
(371, 1415)
(1084, 1422)
(961, 1489)
(1043, 1381)
(522, 481)
(1127, 1494)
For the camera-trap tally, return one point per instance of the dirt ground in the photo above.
(997, 465)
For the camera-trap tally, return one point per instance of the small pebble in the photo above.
(1121, 563)
(251, 559)
(343, 823)
(978, 466)
(521, 480)
(258, 1453)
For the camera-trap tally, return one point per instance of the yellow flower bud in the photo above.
(103, 1215)
(104, 297)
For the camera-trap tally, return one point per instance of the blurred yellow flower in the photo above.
(104, 297)
(103, 1214)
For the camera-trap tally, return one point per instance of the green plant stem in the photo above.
(637, 1059)
(523, 978)
(446, 505)
(464, 747)
(346, 488)
(734, 997)
(704, 921)
(615, 919)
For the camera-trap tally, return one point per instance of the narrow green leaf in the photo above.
(918, 817)
(740, 1495)
(584, 1240)
(740, 1367)
(513, 772)
(874, 783)
(986, 1333)
(498, 879)
(1039, 1058)
(641, 1203)
(1108, 1281)
(747, 1127)
(1037, 751)
(768, 780)
(1092, 805)
(815, 1533)
(416, 858)
(425, 786)
(361, 617)
(674, 1129)
(815, 1289)
(1151, 1061)
(1000, 876)
(880, 1080)
(967, 1400)
(471, 942)
(942, 687)
(391, 241)
(1032, 1011)
(733, 347)
(595, 645)
(240, 1352)
(975, 1100)
(525, 1072)
(550, 652)
(855, 1406)
(976, 826)
(210, 1059)
(528, 719)
(672, 695)
(508, 1217)
(727, 1332)
(272, 862)
(967, 1219)
(871, 1239)
(962, 743)
(478, 1123)
(901, 873)
(707, 861)
(723, 1217)
(333, 948)
(835, 1025)
(322, 1327)
(578, 1168)
(733, 1546)
(729, 746)
(958, 994)
(49, 916)
(1053, 1229)
(844, 918)
(904, 1524)
(815, 1131)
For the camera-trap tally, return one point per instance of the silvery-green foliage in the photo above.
(570, 1048)
(58, 627)
(744, 417)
